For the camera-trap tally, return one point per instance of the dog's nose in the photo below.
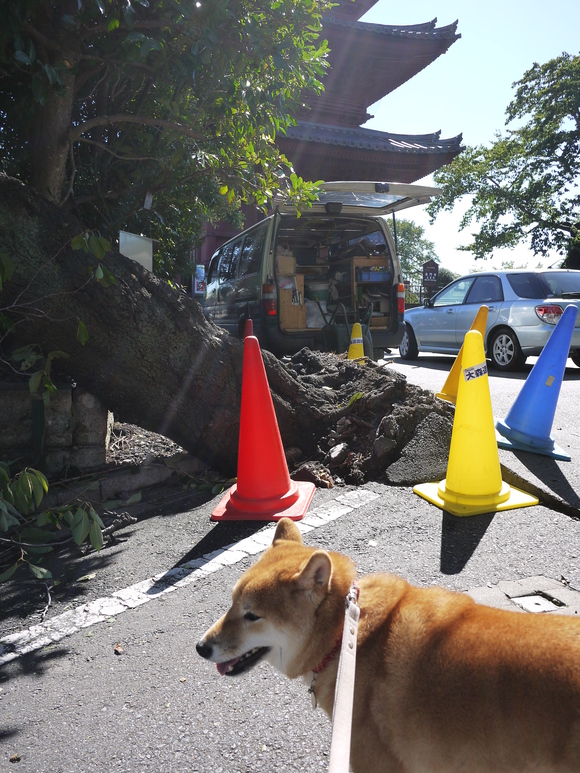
(204, 650)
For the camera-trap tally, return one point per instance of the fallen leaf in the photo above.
(87, 577)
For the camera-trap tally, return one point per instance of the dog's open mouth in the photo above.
(243, 663)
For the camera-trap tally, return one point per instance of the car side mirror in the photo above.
(427, 303)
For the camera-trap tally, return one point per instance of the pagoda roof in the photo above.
(368, 61)
(327, 152)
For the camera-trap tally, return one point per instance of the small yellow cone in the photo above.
(449, 391)
(473, 484)
(356, 349)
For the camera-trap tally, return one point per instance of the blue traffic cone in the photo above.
(528, 424)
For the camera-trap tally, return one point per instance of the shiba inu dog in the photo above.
(442, 684)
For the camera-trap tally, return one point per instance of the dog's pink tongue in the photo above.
(223, 667)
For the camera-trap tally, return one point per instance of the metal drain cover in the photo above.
(535, 603)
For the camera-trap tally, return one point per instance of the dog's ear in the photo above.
(287, 529)
(316, 575)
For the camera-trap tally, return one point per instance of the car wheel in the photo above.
(504, 350)
(408, 346)
(575, 357)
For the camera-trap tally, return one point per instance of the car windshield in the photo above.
(560, 284)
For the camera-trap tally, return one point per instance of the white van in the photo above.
(303, 281)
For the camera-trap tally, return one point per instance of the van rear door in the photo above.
(368, 198)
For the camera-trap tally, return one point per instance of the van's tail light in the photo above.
(269, 300)
(401, 299)
(550, 314)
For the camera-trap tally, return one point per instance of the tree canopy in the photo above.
(155, 113)
(524, 185)
(413, 249)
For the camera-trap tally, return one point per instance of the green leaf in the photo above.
(33, 534)
(8, 573)
(108, 278)
(39, 549)
(7, 520)
(41, 478)
(40, 572)
(7, 266)
(68, 517)
(96, 536)
(47, 384)
(79, 242)
(355, 398)
(82, 333)
(24, 484)
(37, 489)
(35, 381)
(21, 57)
(44, 518)
(105, 245)
(96, 517)
(81, 526)
(133, 499)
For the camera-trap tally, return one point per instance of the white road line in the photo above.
(37, 636)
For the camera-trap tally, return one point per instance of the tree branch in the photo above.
(116, 155)
(106, 120)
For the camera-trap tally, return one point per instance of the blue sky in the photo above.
(468, 89)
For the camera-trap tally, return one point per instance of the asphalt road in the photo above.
(113, 681)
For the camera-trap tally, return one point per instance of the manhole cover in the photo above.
(535, 603)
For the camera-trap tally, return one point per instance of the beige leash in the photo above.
(344, 690)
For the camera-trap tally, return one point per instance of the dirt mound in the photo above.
(387, 429)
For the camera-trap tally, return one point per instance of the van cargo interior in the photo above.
(333, 269)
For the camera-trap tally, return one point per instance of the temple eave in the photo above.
(317, 161)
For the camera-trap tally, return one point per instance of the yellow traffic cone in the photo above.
(356, 349)
(449, 391)
(473, 484)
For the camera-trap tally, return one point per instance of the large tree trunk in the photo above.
(154, 360)
(49, 144)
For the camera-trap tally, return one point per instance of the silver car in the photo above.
(524, 306)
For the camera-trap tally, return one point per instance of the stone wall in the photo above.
(73, 430)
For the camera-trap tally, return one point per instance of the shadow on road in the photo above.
(32, 664)
(460, 538)
(548, 471)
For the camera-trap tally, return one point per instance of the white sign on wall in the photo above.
(138, 248)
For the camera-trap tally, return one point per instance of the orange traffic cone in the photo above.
(264, 490)
(473, 484)
(449, 391)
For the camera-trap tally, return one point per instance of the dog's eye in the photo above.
(251, 616)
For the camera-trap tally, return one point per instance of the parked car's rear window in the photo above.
(558, 284)
(526, 285)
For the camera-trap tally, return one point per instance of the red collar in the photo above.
(336, 648)
(328, 657)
